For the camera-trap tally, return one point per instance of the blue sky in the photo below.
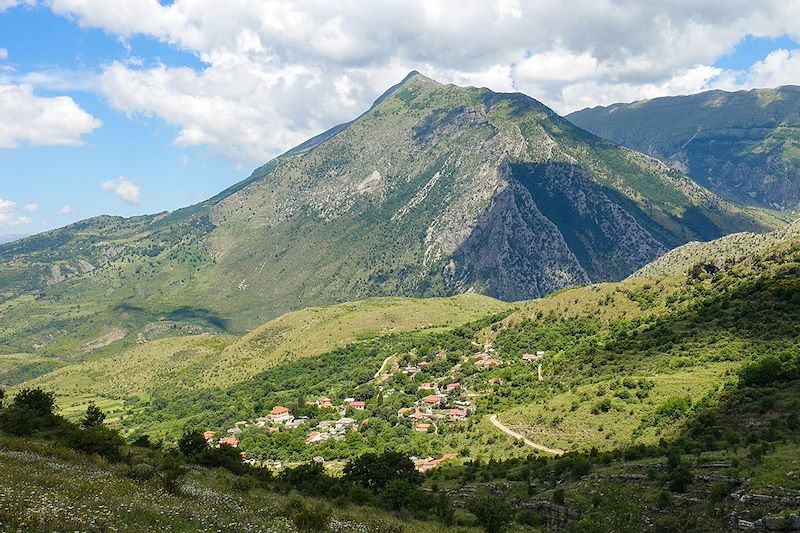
(132, 106)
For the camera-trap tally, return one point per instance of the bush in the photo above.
(36, 401)
(93, 417)
(531, 518)
(493, 513)
(761, 373)
(31, 411)
(98, 440)
(311, 518)
(375, 472)
(192, 443)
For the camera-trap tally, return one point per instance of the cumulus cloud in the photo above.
(3, 53)
(124, 189)
(278, 71)
(10, 216)
(40, 121)
(66, 210)
(781, 67)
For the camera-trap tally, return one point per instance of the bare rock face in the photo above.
(435, 190)
(441, 189)
(742, 145)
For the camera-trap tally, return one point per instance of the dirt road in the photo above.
(511, 433)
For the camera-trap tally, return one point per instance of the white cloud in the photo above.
(66, 210)
(31, 208)
(279, 71)
(10, 216)
(27, 118)
(3, 53)
(781, 67)
(8, 4)
(124, 189)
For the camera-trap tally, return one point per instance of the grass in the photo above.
(579, 420)
(219, 361)
(47, 488)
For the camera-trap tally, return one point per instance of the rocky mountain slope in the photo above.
(743, 145)
(720, 252)
(436, 190)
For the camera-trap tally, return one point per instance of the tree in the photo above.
(36, 401)
(94, 417)
(493, 513)
(376, 471)
(192, 443)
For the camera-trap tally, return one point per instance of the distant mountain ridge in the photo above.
(436, 190)
(744, 145)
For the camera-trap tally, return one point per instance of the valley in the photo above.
(459, 287)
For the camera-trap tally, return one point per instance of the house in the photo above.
(402, 411)
(273, 429)
(208, 435)
(453, 386)
(348, 400)
(486, 363)
(280, 415)
(234, 431)
(311, 403)
(231, 441)
(430, 464)
(324, 402)
(427, 386)
(432, 399)
(296, 423)
(316, 436)
(357, 405)
(529, 357)
(418, 416)
(344, 423)
(422, 427)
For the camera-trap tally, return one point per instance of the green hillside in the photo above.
(436, 190)
(742, 145)
(673, 400)
(189, 363)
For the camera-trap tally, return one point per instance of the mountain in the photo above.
(436, 190)
(742, 145)
(734, 248)
(10, 238)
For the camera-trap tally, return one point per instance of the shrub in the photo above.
(761, 373)
(93, 417)
(493, 513)
(98, 440)
(311, 518)
(375, 472)
(192, 443)
(36, 401)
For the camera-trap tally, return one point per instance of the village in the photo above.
(442, 400)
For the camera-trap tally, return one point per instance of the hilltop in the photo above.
(436, 190)
(743, 145)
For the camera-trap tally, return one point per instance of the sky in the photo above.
(139, 106)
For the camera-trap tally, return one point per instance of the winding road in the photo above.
(511, 433)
